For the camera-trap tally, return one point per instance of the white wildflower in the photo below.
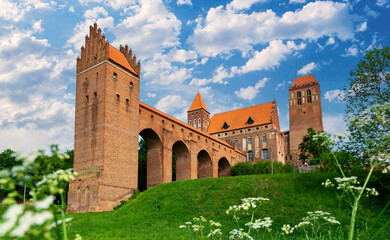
(44, 203)
(188, 223)
(10, 217)
(287, 229)
(215, 224)
(215, 232)
(182, 226)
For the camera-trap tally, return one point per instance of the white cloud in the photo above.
(95, 13)
(280, 85)
(383, 3)
(15, 12)
(182, 55)
(184, 2)
(212, 36)
(37, 26)
(171, 103)
(71, 9)
(308, 68)
(250, 92)
(243, 4)
(334, 95)
(362, 27)
(297, 1)
(334, 124)
(149, 29)
(114, 4)
(351, 51)
(330, 41)
(150, 95)
(269, 57)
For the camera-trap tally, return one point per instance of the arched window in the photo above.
(299, 100)
(199, 123)
(250, 156)
(264, 138)
(195, 125)
(190, 123)
(308, 96)
(265, 154)
(235, 143)
(292, 95)
(244, 144)
(249, 140)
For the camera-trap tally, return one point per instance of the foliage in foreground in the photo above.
(42, 219)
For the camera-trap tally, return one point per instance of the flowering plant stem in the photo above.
(63, 207)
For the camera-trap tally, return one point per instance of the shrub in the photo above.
(288, 168)
(243, 168)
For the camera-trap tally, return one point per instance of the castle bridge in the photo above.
(110, 118)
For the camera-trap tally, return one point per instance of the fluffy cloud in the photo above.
(149, 29)
(151, 95)
(243, 4)
(282, 84)
(212, 36)
(297, 1)
(184, 2)
(362, 27)
(16, 11)
(34, 76)
(171, 103)
(383, 3)
(269, 57)
(115, 4)
(250, 92)
(308, 68)
(334, 95)
(351, 51)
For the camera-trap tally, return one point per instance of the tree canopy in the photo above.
(313, 145)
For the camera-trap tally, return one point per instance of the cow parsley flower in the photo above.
(287, 229)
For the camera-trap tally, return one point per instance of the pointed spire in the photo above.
(198, 104)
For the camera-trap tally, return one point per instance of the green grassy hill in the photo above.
(157, 212)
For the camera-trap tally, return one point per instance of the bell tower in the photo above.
(198, 115)
(305, 112)
(106, 125)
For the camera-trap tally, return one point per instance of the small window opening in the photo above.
(299, 100)
(151, 116)
(264, 138)
(235, 142)
(249, 140)
(118, 97)
(250, 156)
(95, 95)
(115, 76)
(131, 84)
(225, 134)
(190, 123)
(225, 125)
(127, 101)
(250, 121)
(86, 98)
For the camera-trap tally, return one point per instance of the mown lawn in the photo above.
(157, 212)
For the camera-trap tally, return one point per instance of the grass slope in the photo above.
(157, 212)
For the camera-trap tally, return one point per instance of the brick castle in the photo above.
(110, 118)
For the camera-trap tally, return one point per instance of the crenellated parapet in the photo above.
(96, 49)
(132, 59)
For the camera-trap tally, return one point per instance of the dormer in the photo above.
(225, 125)
(250, 121)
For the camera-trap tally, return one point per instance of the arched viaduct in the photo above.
(109, 120)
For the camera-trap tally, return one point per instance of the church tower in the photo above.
(198, 115)
(106, 125)
(305, 112)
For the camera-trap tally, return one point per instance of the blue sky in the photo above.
(235, 53)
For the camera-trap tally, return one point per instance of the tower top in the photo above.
(303, 81)
(96, 49)
(198, 104)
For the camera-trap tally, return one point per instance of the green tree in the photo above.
(142, 150)
(368, 98)
(313, 145)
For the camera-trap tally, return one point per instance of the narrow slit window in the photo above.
(95, 95)
(115, 76)
(86, 98)
(131, 84)
(118, 97)
(127, 101)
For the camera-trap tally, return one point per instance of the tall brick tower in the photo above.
(305, 111)
(198, 115)
(106, 125)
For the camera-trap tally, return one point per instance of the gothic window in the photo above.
(225, 125)
(250, 156)
(199, 123)
(264, 138)
(299, 100)
(250, 120)
(249, 140)
(257, 146)
(195, 125)
(308, 96)
(190, 123)
(235, 143)
(265, 154)
(244, 144)
(292, 95)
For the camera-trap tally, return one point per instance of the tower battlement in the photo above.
(96, 49)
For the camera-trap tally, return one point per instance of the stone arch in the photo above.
(224, 168)
(183, 161)
(205, 168)
(154, 157)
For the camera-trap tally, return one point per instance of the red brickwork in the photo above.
(109, 120)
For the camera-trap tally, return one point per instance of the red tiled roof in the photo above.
(303, 80)
(237, 119)
(118, 57)
(198, 104)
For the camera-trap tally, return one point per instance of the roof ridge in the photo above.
(242, 108)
